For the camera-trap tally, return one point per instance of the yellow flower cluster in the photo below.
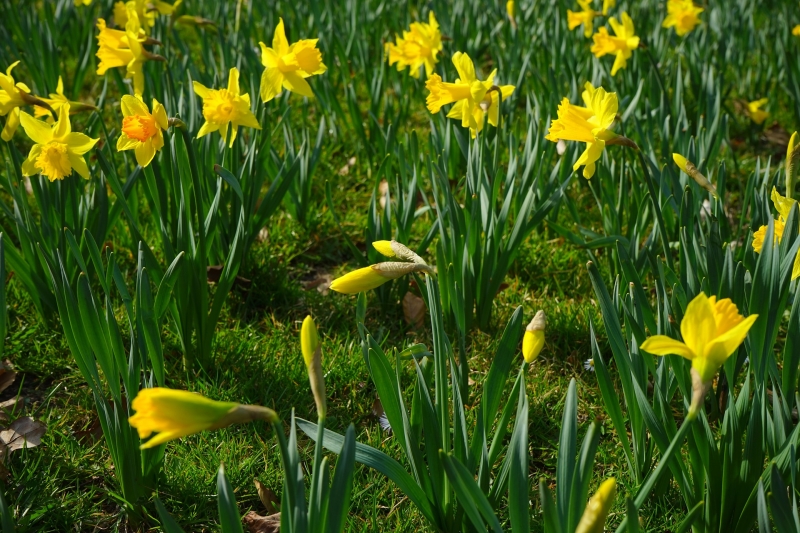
(784, 206)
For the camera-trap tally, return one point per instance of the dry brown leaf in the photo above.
(7, 375)
(414, 310)
(262, 524)
(8, 407)
(321, 281)
(24, 432)
(267, 497)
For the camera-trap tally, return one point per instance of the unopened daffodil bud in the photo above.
(596, 512)
(374, 276)
(690, 170)
(533, 341)
(398, 250)
(312, 355)
(176, 413)
(510, 11)
(792, 153)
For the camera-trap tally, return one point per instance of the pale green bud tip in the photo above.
(533, 341)
(309, 340)
(384, 248)
(596, 512)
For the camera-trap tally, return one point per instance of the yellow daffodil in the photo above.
(590, 124)
(56, 101)
(690, 170)
(419, 46)
(712, 330)
(312, 355)
(608, 4)
(596, 512)
(757, 114)
(683, 15)
(83, 3)
(12, 97)
(175, 413)
(223, 107)
(585, 16)
(511, 12)
(287, 67)
(57, 150)
(533, 340)
(473, 98)
(165, 8)
(622, 44)
(124, 49)
(141, 130)
(144, 10)
(796, 31)
(784, 206)
(792, 155)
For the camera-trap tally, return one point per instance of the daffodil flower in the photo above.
(56, 101)
(12, 95)
(473, 99)
(682, 15)
(419, 46)
(608, 4)
(585, 16)
(622, 44)
(58, 151)
(757, 114)
(144, 15)
(712, 330)
(312, 355)
(79, 3)
(796, 31)
(784, 206)
(533, 340)
(124, 49)
(287, 67)
(224, 107)
(596, 511)
(590, 124)
(142, 130)
(511, 12)
(175, 413)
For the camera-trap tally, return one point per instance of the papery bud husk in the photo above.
(699, 391)
(394, 269)
(245, 413)
(317, 380)
(397, 249)
(533, 340)
(691, 170)
(622, 141)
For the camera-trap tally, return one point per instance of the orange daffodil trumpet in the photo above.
(419, 46)
(473, 99)
(712, 330)
(585, 16)
(590, 124)
(784, 206)
(118, 48)
(173, 414)
(533, 340)
(141, 129)
(57, 150)
(287, 67)
(373, 276)
(224, 107)
(622, 44)
(682, 15)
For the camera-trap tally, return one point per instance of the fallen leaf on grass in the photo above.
(262, 524)
(7, 375)
(414, 310)
(24, 432)
(267, 497)
(8, 407)
(321, 281)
